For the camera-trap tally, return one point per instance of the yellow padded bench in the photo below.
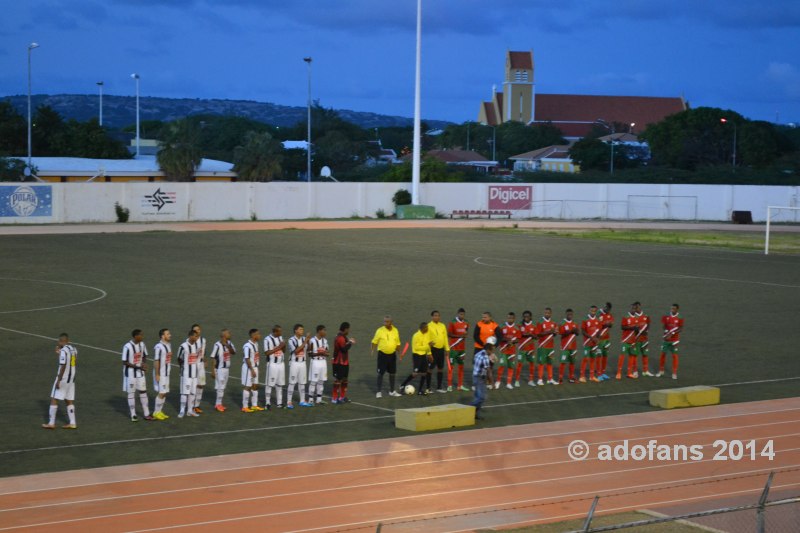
(684, 397)
(446, 416)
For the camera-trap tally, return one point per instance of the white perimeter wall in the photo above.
(94, 202)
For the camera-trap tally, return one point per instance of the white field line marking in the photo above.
(103, 294)
(384, 500)
(606, 511)
(478, 261)
(712, 257)
(588, 397)
(418, 463)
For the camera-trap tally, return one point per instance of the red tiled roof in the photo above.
(521, 60)
(565, 109)
(491, 118)
(455, 156)
(500, 104)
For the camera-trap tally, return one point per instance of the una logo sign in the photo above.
(26, 201)
(159, 199)
(510, 197)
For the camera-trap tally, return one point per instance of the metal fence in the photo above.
(762, 516)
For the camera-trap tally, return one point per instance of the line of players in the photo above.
(534, 343)
(308, 379)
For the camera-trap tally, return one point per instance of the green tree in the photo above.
(258, 158)
(13, 130)
(12, 169)
(179, 155)
(592, 153)
(49, 133)
(90, 139)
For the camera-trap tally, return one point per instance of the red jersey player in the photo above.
(546, 330)
(569, 346)
(643, 343)
(341, 364)
(457, 332)
(630, 327)
(526, 349)
(673, 325)
(590, 327)
(508, 350)
(607, 320)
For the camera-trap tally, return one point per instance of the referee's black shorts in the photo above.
(340, 372)
(438, 358)
(420, 364)
(387, 362)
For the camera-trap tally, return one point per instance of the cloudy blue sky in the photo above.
(737, 54)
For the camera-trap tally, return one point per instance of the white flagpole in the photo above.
(415, 168)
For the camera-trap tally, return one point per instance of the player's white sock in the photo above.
(71, 414)
(289, 392)
(312, 387)
(145, 403)
(198, 395)
(254, 397)
(132, 403)
(190, 402)
(159, 405)
(267, 395)
(278, 394)
(320, 388)
(220, 393)
(245, 399)
(183, 403)
(53, 411)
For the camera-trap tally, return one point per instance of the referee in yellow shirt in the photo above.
(421, 350)
(439, 348)
(386, 341)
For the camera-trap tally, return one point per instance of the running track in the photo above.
(454, 481)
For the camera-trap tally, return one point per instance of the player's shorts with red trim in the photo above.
(568, 356)
(65, 391)
(340, 372)
(643, 347)
(545, 355)
(457, 357)
(591, 351)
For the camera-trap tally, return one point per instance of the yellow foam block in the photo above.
(684, 397)
(435, 417)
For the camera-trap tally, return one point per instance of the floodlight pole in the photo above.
(308, 123)
(30, 49)
(136, 79)
(100, 86)
(416, 157)
(609, 127)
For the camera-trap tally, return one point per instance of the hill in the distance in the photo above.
(120, 111)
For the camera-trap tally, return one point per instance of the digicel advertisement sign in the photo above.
(510, 197)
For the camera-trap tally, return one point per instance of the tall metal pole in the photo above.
(417, 156)
(611, 171)
(136, 79)
(494, 143)
(734, 147)
(100, 86)
(30, 49)
(308, 123)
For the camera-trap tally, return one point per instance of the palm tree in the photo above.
(180, 155)
(259, 157)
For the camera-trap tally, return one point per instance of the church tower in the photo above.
(518, 87)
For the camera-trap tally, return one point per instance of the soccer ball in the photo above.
(409, 390)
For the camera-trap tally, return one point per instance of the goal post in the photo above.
(782, 213)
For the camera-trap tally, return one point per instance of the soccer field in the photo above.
(740, 310)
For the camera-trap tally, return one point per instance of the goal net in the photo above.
(777, 214)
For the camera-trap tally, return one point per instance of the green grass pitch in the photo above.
(740, 308)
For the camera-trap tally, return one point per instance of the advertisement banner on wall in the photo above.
(160, 202)
(26, 201)
(510, 197)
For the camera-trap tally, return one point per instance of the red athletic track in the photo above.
(441, 482)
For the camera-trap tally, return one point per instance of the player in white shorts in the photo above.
(189, 355)
(318, 366)
(250, 363)
(201, 367)
(64, 386)
(221, 354)
(297, 367)
(162, 361)
(276, 370)
(134, 365)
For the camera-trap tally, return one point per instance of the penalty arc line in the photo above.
(103, 294)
